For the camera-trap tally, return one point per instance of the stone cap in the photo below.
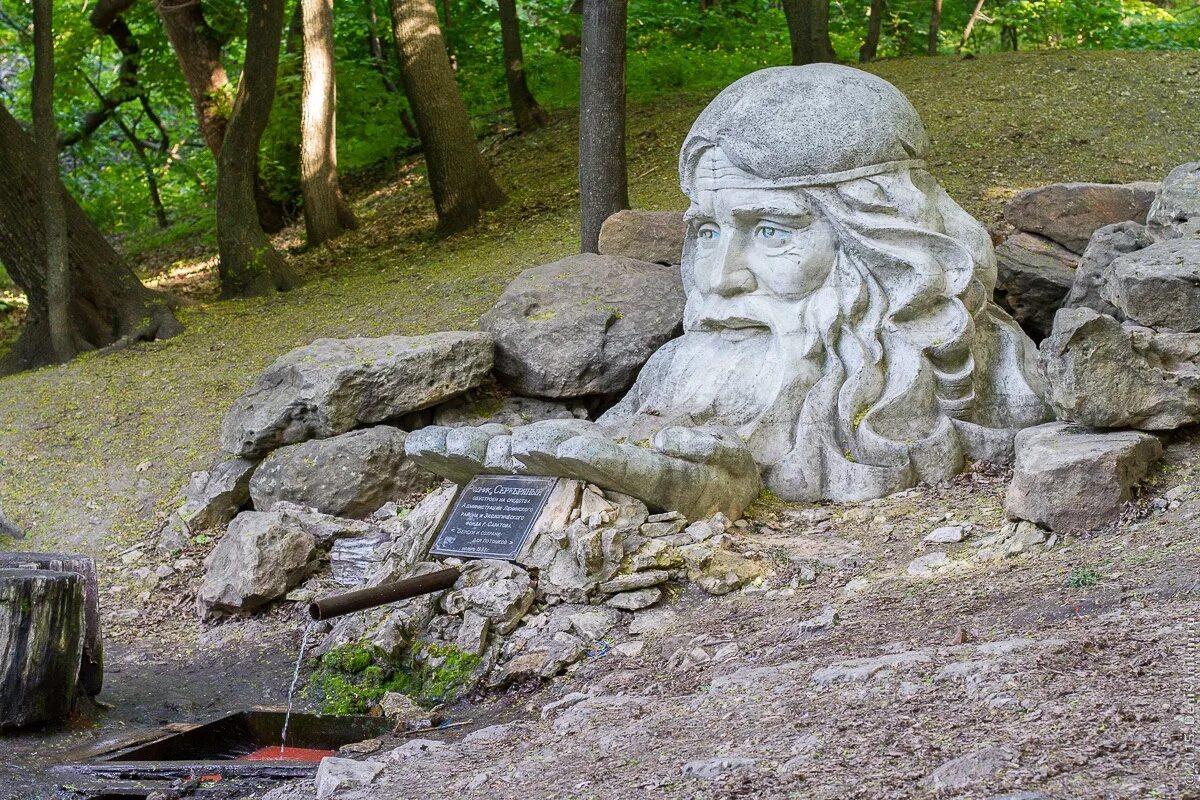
(818, 124)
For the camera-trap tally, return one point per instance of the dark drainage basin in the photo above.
(241, 745)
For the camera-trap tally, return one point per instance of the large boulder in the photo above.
(1108, 375)
(513, 410)
(335, 385)
(1033, 276)
(1071, 479)
(1069, 213)
(349, 475)
(654, 236)
(1175, 213)
(584, 325)
(260, 557)
(214, 496)
(1107, 244)
(1158, 286)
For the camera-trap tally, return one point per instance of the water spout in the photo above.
(292, 691)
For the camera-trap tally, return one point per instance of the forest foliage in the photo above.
(674, 46)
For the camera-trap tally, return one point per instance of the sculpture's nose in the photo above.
(732, 275)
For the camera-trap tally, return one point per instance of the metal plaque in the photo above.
(493, 516)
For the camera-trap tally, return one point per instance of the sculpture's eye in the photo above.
(773, 235)
(708, 233)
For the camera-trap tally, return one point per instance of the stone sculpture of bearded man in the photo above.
(840, 341)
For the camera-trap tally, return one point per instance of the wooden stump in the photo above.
(91, 668)
(41, 645)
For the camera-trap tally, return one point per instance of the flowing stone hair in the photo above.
(897, 327)
(915, 364)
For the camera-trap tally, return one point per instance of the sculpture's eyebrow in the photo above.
(757, 211)
(695, 212)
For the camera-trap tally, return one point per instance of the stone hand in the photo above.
(696, 471)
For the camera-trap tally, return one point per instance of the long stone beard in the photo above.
(703, 378)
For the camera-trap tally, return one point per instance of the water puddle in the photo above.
(272, 753)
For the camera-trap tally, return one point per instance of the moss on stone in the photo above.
(352, 679)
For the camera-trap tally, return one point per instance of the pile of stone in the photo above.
(1123, 352)
(325, 425)
(593, 558)
(316, 493)
(1036, 265)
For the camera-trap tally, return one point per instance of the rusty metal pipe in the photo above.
(348, 603)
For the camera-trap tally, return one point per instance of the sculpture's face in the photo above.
(757, 254)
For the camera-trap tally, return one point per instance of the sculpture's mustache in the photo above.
(740, 318)
(735, 327)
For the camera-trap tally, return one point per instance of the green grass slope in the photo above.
(93, 453)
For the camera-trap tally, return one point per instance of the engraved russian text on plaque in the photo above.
(493, 516)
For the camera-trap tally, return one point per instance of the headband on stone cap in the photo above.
(815, 125)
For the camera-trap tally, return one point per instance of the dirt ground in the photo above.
(1071, 672)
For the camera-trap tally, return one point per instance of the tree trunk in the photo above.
(198, 48)
(91, 668)
(462, 186)
(54, 222)
(108, 306)
(377, 53)
(799, 22)
(41, 642)
(1008, 37)
(528, 113)
(823, 47)
(294, 39)
(156, 203)
(935, 25)
(870, 47)
(970, 26)
(327, 215)
(249, 264)
(381, 65)
(603, 182)
(808, 31)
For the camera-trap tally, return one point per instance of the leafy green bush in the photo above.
(1083, 578)
(1110, 24)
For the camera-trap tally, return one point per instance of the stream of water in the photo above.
(292, 691)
